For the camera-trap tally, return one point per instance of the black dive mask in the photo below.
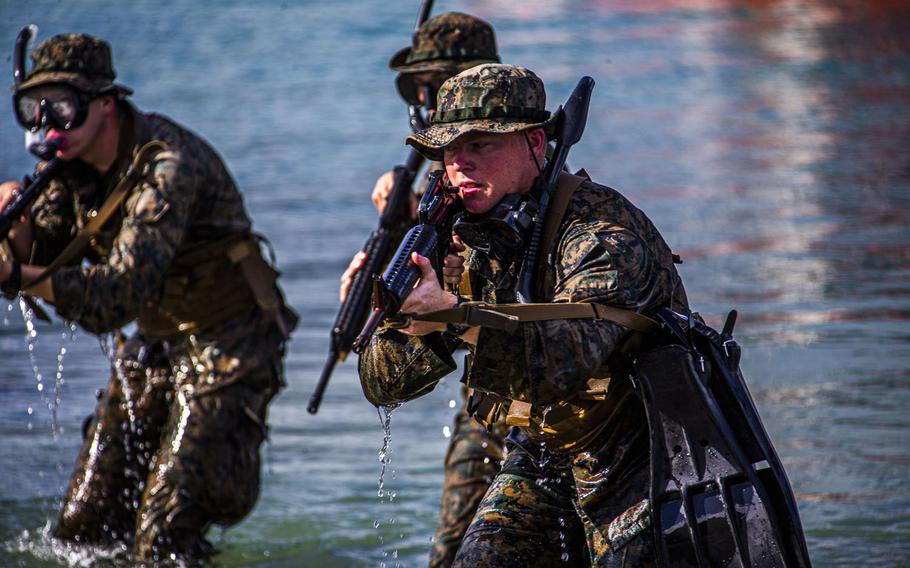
(502, 232)
(58, 105)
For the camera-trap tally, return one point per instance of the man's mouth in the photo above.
(57, 139)
(470, 188)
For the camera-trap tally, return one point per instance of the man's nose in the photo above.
(460, 160)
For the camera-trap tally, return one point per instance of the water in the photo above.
(768, 141)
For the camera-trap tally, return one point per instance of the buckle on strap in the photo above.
(473, 314)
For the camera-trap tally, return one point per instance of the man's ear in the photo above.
(538, 139)
(108, 103)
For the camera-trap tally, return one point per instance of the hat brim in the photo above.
(73, 79)
(431, 141)
(449, 66)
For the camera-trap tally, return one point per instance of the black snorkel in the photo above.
(43, 149)
(26, 34)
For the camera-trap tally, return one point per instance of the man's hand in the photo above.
(453, 265)
(348, 277)
(8, 191)
(20, 234)
(383, 188)
(426, 297)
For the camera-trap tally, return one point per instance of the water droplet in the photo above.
(446, 432)
(564, 557)
(376, 524)
(452, 404)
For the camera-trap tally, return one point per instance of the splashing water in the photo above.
(31, 341)
(385, 418)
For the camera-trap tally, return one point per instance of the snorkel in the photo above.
(35, 140)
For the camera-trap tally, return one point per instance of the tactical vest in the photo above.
(205, 286)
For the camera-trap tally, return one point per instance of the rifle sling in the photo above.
(556, 210)
(77, 246)
(507, 316)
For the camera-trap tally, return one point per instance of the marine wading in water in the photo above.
(161, 239)
(441, 47)
(582, 470)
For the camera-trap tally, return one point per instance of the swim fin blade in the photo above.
(719, 493)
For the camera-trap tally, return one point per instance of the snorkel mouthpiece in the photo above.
(42, 146)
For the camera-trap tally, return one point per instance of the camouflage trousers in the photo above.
(167, 453)
(531, 516)
(472, 461)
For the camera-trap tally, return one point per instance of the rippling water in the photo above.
(767, 139)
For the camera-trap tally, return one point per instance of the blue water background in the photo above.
(767, 139)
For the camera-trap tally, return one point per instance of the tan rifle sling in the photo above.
(77, 246)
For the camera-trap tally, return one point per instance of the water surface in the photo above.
(767, 139)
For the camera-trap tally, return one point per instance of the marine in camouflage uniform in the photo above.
(573, 490)
(442, 47)
(173, 445)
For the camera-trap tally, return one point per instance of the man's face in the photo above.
(487, 167)
(427, 84)
(74, 141)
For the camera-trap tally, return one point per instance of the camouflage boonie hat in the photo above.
(80, 60)
(448, 43)
(490, 98)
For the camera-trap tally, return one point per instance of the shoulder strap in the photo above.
(508, 316)
(110, 205)
(559, 202)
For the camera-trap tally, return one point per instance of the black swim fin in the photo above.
(719, 494)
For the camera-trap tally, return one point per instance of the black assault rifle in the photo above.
(394, 221)
(570, 123)
(431, 237)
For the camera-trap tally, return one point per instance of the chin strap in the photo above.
(531, 150)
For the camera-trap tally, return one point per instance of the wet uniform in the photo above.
(173, 446)
(573, 489)
(473, 458)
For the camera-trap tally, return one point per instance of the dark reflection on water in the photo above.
(767, 139)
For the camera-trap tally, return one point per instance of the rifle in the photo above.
(353, 312)
(393, 222)
(570, 125)
(431, 238)
(26, 197)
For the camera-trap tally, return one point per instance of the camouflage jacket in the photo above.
(607, 250)
(187, 198)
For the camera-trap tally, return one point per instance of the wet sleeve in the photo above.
(395, 367)
(546, 362)
(106, 296)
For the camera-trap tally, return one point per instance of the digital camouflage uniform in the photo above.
(573, 489)
(173, 445)
(446, 45)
